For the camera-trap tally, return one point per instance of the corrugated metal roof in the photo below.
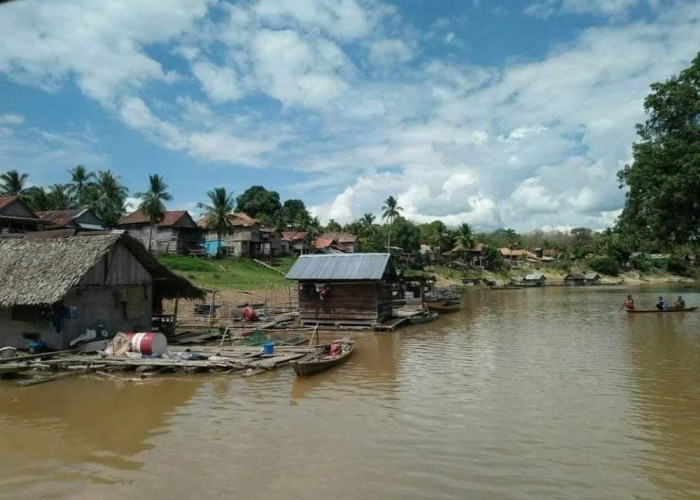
(535, 277)
(592, 276)
(354, 266)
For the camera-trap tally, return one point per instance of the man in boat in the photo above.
(662, 305)
(679, 304)
(629, 303)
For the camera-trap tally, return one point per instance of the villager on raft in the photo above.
(629, 303)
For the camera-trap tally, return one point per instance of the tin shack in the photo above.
(345, 289)
(54, 289)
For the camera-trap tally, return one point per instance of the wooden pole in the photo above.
(211, 308)
(177, 301)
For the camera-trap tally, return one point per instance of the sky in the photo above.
(500, 113)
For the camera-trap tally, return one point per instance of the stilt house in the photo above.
(53, 289)
(345, 289)
(15, 217)
(177, 233)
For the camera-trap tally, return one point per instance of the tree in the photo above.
(333, 226)
(464, 239)
(291, 209)
(390, 212)
(152, 205)
(217, 212)
(258, 200)
(664, 178)
(109, 198)
(80, 185)
(493, 260)
(58, 197)
(37, 199)
(12, 183)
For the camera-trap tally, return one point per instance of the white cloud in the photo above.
(607, 8)
(11, 119)
(389, 52)
(220, 83)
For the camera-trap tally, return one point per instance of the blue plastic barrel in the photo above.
(269, 348)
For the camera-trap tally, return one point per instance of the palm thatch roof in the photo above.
(37, 271)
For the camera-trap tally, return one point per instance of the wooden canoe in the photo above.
(424, 318)
(443, 305)
(319, 361)
(640, 311)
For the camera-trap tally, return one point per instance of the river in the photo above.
(525, 394)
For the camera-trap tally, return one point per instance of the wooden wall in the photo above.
(360, 303)
(170, 240)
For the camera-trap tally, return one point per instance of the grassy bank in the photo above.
(228, 273)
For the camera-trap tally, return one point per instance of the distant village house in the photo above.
(177, 233)
(15, 217)
(80, 219)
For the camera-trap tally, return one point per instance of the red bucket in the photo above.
(148, 343)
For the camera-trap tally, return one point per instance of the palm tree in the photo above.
(12, 183)
(464, 239)
(367, 224)
(152, 205)
(58, 197)
(81, 181)
(221, 205)
(110, 197)
(37, 199)
(391, 212)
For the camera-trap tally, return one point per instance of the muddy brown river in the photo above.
(526, 394)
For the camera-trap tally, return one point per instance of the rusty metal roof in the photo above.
(342, 267)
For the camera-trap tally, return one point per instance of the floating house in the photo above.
(80, 219)
(177, 233)
(574, 279)
(15, 216)
(592, 278)
(345, 289)
(54, 289)
(533, 280)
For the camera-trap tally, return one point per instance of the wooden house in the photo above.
(243, 238)
(345, 242)
(177, 233)
(574, 279)
(533, 280)
(271, 242)
(345, 289)
(80, 219)
(298, 242)
(15, 216)
(54, 289)
(592, 278)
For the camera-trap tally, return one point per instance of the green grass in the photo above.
(228, 273)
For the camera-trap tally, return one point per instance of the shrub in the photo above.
(675, 265)
(641, 263)
(604, 265)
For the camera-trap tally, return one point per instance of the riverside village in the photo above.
(350, 249)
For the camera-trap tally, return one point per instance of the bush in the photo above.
(675, 265)
(604, 265)
(641, 263)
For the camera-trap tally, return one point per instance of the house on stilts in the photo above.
(55, 288)
(345, 289)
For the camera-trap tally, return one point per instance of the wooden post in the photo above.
(211, 308)
(177, 300)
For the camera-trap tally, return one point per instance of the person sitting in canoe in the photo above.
(629, 303)
(662, 305)
(679, 304)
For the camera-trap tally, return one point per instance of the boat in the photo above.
(424, 318)
(641, 311)
(506, 287)
(322, 359)
(443, 305)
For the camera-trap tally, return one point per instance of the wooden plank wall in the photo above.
(346, 303)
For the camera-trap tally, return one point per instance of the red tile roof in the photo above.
(60, 218)
(170, 218)
(242, 219)
(322, 242)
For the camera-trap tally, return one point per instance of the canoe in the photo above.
(320, 360)
(443, 305)
(424, 318)
(639, 311)
(506, 287)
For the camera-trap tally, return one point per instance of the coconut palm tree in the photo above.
(390, 212)
(80, 184)
(367, 224)
(221, 205)
(37, 199)
(152, 205)
(109, 197)
(12, 183)
(58, 197)
(464, 239)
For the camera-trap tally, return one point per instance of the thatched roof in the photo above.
(41, 271)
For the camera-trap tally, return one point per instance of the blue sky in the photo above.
(496, 113)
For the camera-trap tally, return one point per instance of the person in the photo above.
(249, 313)
(662, 305)
(679, 304)
(629, 303)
